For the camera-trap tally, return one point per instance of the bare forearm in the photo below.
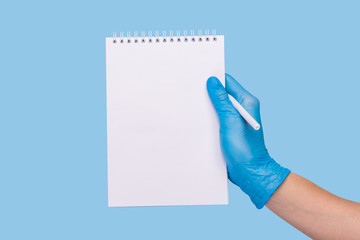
(314, 211)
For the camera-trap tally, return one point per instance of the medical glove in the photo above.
(249, 164)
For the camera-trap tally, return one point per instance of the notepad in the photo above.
(162, 130)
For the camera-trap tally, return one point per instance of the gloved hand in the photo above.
(248, 162)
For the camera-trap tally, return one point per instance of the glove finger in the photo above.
(220, 99)
(246, 99)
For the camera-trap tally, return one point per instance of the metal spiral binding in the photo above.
(121, 37)
(206, 37)
(178, 36)
(171, 36)
(114, 37)
(150, 36)
(157, 36)
(143, 36)
(192, 36)
(214, 35)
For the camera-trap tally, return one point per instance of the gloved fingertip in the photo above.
(231, 83)
(228, 76)
(234, 88)
(213, 82)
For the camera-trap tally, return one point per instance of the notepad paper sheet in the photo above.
(162, 131)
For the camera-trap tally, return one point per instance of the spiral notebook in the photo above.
(162, 130)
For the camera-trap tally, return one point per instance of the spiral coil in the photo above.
(135, 38)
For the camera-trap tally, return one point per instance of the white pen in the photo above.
(244, 113)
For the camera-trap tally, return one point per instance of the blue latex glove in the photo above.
(248, 162)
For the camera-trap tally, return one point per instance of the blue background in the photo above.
(301, 58)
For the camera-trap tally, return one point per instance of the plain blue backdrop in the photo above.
(301, 58)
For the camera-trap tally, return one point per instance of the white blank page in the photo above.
(162, 130)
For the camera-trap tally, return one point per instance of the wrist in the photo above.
(270, 176)
(260, 179)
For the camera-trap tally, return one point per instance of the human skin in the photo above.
(314, 211)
